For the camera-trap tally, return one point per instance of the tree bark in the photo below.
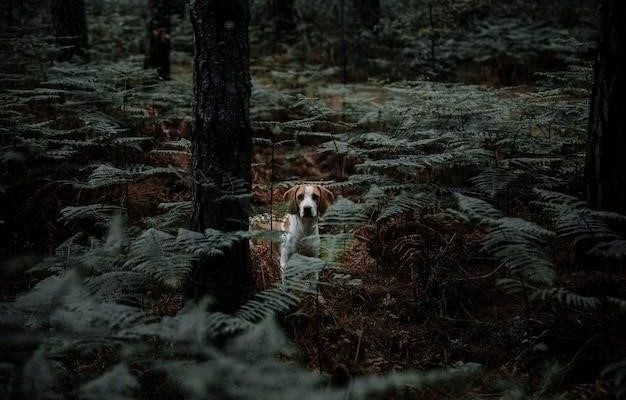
(9, 13)
(158, 40)
(605, 172)
(179, 7)
(221, 143)
(284, 17)
(70, 27)
(368, 12)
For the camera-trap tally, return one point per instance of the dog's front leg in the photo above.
(287, 248)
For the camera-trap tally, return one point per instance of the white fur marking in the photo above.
(301, 231)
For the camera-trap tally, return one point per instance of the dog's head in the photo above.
(309, 201)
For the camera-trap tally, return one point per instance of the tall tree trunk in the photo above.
(343, 44)
(70, 27)
(9, 13)
(221, 143)
(158, 40)
(284, 17)
(368, 12)
(606, 154)
(179, 7)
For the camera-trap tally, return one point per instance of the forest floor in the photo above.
(387, 308)
(409, 292)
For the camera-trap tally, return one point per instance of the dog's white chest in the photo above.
(301, 236)
(309, 246)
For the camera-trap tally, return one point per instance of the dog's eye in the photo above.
(300, 197)
(316, 198)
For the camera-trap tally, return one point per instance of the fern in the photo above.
(298, 273)
(493, 181)
(374, 197)
(106, 175)
(615, 249)
(102, 298)
(193, 325)
(620, 303)
(578, 223)
(334, 246)
(241, 371)
(412, 164)
(567, 297)
(39, 379)
(175, 215)
(91, 317)
(403, 203)
(617, 371)
(555, 295)
(196, 325)
(518, 244)
(120, 287)
(344, 212)
(158, 255)
(476, 209)
(116, 384)
(101, 213)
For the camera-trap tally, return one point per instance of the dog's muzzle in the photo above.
(307, 212)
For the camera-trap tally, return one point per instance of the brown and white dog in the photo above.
(301, 233)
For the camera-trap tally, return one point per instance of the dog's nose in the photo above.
(308, 211)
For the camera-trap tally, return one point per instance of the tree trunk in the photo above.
(606, 154)
(179, 7)
(284, 17)
(368, 12)
(221, 143)
(158, 40)
(9, 13)
(70, 27)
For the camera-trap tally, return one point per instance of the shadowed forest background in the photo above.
(476, 150)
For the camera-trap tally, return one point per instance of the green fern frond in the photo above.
(106, 175)
(344, 212)
(157, 254)
(122, 287)
(86, 316)
(40, 379)
(614, 249)
(559, 198)
(101, 213)
(299, 272)
(617, 371)
(192, 325)
(403, 203)
(374, 197)
(115, 384)
(566, 297)
(517, 243)
(365, 387)
(493, 181)
(174, 215)
(334, 246)
(621, 303)
(412, 164)
(526, 261)
(575, 221)
(476, 209)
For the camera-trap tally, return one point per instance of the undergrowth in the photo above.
(458, 239)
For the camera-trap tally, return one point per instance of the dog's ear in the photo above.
(326, 199)
(290, 195)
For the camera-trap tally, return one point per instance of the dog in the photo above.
(300, 229)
